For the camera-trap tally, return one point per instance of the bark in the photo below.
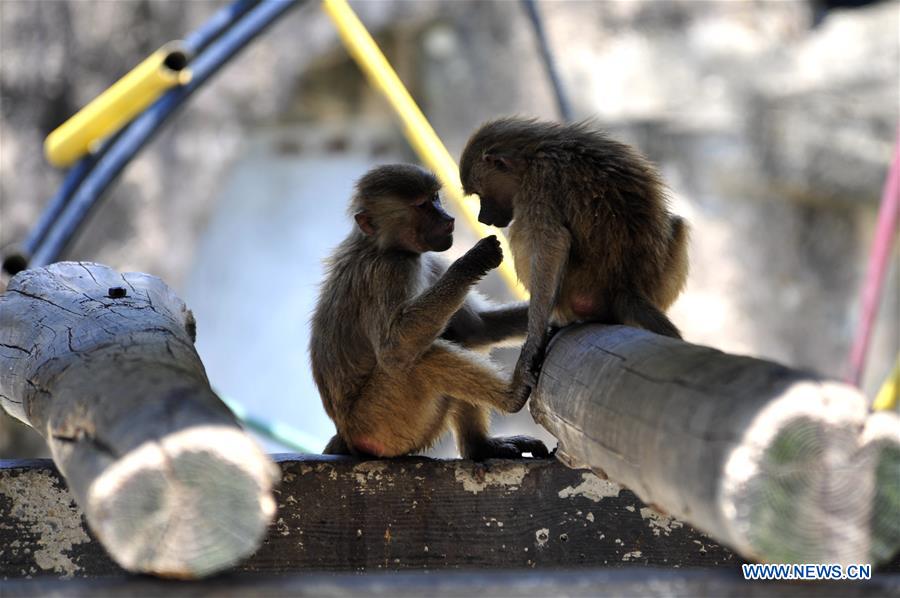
(103, 366)
(768, 460)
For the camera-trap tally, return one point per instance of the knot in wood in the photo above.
(117, 292)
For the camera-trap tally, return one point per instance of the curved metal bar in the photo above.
(20, 256)
(142, 129)
(217, 24)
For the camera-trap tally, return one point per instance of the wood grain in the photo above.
(766, 459)
(103, 366)
(339, 514)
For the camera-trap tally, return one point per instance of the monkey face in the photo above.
(434, 226)
(399, 207)
(497, 191)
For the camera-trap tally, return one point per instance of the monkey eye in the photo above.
(497, 162)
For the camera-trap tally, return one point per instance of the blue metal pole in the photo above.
(19, 258)
(196, 42)
(132, 139)
(562, 99)
(217, 24)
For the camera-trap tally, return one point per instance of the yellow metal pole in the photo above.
(887, 397)
(115, 107)
(418, 131)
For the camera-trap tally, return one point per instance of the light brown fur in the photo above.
(389, 381)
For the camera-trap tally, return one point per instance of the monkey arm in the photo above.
(418, 322)
(549, 254)
(506, 321)
(476, 328)
(548, 263)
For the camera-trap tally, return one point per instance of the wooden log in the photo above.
(881, 445)
(765, 459)
(587, 583)
(103, 366)
(340, 514)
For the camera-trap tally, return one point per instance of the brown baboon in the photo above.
(388, 379)
(591, 235)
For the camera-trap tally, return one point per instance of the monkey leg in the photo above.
(471, 424)
(337, 446)
(467, 376)
(396, 415)
(400, 413)
(634, 310)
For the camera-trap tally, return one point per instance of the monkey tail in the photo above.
(677, 264)
(635, 310)
(678, 235)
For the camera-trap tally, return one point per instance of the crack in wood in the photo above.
(88, 270)
(82, 435)
(45, 300)
(9, 399)
(15, 348)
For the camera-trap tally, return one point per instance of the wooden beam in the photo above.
(339, 514)
(768, 460)
(634, 581)
(103, 366)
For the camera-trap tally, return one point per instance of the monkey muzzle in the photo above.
(490, 215)
(440, 238)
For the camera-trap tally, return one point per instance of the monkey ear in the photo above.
(364, 221)
(499, 161)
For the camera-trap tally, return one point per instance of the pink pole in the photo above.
(878, 260)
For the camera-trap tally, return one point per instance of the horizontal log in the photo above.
(339, 514)
(585, 582)
(103, 366)
(768, 460)
(881, 447)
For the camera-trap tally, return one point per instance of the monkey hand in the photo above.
(525, 376)
(508, 447)
(484, 256)
(521, 390)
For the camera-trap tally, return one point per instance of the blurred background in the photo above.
(772, 122)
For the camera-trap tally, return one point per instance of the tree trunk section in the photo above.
(768, 460)
(103, 366)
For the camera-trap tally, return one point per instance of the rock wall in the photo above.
(774, 136)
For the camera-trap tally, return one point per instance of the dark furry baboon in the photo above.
(592, 236)
(395, 328)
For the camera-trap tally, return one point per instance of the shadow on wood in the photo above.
(103, 366)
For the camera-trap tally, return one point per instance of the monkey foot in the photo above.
(507, 447)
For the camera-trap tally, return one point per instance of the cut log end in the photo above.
(794, 489)
(195, 502)
(881, 443)
(769, 460)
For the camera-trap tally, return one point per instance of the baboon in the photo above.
(591, 236)
(395, 330)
